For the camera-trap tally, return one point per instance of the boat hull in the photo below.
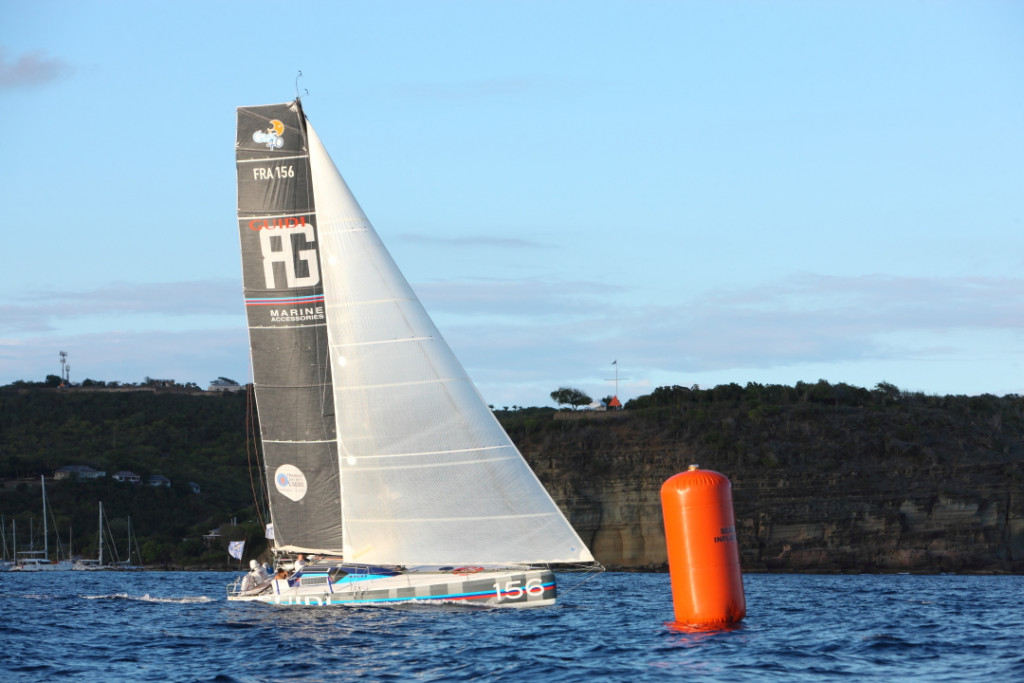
(63, 565)
(520, 588)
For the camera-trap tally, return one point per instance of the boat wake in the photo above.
(148, 598)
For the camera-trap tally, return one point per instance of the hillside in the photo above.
(190, 437)
(825, 477)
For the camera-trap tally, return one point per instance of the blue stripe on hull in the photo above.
(505, 597)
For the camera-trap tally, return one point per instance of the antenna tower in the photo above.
(65, 370)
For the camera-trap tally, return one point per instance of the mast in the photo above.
(101, 534)
(46, 536)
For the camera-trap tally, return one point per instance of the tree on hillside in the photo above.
(570, 396)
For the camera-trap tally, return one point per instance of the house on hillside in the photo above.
(158, 480)
(125, 475)
(194, 486)
(78, 472)
(212, 539)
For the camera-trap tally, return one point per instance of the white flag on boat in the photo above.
(269, 533)
(235, 549)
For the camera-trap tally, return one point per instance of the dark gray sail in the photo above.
(287, 327)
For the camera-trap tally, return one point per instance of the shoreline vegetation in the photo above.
(827, 478)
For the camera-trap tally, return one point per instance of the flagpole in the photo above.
(616, 380)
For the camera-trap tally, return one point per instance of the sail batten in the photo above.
(441, 520)
(381, 341)
(444, 452)
(397, 385)
(300, 441)
(280, 327)
(433, 465)
(256, 160)
(371, 302)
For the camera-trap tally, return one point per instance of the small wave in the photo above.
(148, 598)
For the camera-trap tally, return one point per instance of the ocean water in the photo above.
(178, 626)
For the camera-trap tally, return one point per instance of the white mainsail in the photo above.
(428, 475)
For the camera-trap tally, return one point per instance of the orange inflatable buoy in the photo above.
(703, 557)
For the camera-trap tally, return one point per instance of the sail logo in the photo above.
(290, 482)
(271, 137)
(286, 250)
(257, 224)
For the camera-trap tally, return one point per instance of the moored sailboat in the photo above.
(6, 559)
(381, 457)
(39, 560)
(89, 564)
(133, 551)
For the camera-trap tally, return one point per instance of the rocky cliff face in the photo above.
(815, 488)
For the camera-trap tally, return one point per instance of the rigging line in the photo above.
(249, 446)
(259, 495)
(113, 541)
(56, 533)
(590, 574)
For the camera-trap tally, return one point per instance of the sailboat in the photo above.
(97, 564)
(5, 562)
(39, 560)
(382, 460)
(126, 565)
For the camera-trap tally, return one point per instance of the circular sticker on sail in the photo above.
(290, 482)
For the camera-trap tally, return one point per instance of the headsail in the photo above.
(429, 475)
(287, 328)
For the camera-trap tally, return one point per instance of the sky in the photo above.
(698, 192)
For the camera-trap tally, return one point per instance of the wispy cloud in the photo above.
(30, 69)
(38, 311)
(513, 299)
(809, 319)
(517, 337)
